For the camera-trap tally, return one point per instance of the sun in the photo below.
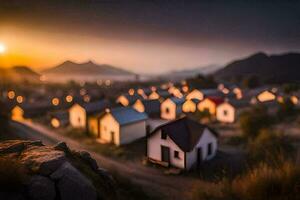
(2, 48)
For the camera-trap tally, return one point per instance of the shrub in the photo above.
(261, 183)
(251, 122)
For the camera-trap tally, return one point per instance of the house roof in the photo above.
(239, 103)
(185, 132)
(127, 115)
(211, 92)
(151, 106)
(96, 107)
(177, 101)
(216, 100)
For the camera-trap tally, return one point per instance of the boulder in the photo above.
(86, 157)
(71, 184)
(42, 160)
(41, 188)
(17, 146)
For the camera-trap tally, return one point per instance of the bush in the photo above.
(271, 147)
(251, 122)
(261, 183)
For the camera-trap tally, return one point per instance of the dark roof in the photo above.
(36, 109)
(127, 115)
(177, 101)
(216, 100)
(239, 103)
(211, 92)
(60, 115)
(96, 107)
(152, 107)
(185, 132)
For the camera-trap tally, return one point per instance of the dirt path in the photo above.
(152, 180)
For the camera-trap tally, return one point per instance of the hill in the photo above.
(269, 68)
(87, 68)
(19, 73)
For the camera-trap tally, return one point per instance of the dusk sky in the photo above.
(145, 36)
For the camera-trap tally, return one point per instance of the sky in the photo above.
(145, 36)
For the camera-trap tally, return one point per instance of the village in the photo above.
(173, 125)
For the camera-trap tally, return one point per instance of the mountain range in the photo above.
(87, 68)
(279, 68)
(19, 73)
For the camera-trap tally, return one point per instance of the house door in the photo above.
(199, 157)
(112, 136)
(165, 154)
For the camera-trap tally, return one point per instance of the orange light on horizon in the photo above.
(20, 99)
(69, 98)
(2, 48)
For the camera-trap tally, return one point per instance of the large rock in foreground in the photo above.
(51, 173)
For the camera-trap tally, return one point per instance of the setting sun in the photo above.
(2, 48)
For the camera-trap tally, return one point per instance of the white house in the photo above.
(182, 143)
(122, 125)
(79, 113)
(171, 108)
(229, 111)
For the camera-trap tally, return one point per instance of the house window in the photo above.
(225, 112)
(176, 154)
(167, 110)
(79, 120)
(209, 149)
(163, 135)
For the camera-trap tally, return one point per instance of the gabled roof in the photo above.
(185, 132)
(216, 100)
(177, 101)
(96, 107)
(151, 106)
(132, 98)
(127, 115)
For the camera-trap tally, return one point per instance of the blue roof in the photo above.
(96, 107)
(127, 115)
(177, 101)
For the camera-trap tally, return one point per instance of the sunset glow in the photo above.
(2, 48)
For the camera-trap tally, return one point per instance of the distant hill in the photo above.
(183, 74)
(87, 68)
(19, 73)
(278, 68)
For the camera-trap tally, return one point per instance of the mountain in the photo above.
(87, 68)
(279, 68)
(20, 73)
(178, 75)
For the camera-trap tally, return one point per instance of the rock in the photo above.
(72, 184)
(62, 146)
(11, 196)
(17, 146)
(89, 160)
(43, 160)
(41, 188)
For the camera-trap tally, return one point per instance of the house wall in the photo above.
(189, 106)
(139, 106)
(266, 96)
(154, 95)
(206, 138)
(123, 100)
(207, 104)
(77, 116)
(229, 116)
(154, 144)
(168, 105)
(108, 124)
(131, 132)
(195, 94)
(93, 126)
(17, 114)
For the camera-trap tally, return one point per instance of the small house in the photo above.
(59, 119)
(171, 108)
(79, 114)
(210, 104)
(122, 125)
(150, 107)
(182, 143)
(229, 111)
(127, 99)
(190, 105)
(159, 94)
(195, 94)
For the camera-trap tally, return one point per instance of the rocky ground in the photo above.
(30, 170)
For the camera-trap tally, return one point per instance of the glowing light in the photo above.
(55, 123)
(131, 92)
(2, 48)
(20, 99)
(55, 101)
(82, 92)
(43, 78)
(107, 82)
(294, 100)
(11, 94)
(86, 98)
(69, 98)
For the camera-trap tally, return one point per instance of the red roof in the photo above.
(216, 100)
